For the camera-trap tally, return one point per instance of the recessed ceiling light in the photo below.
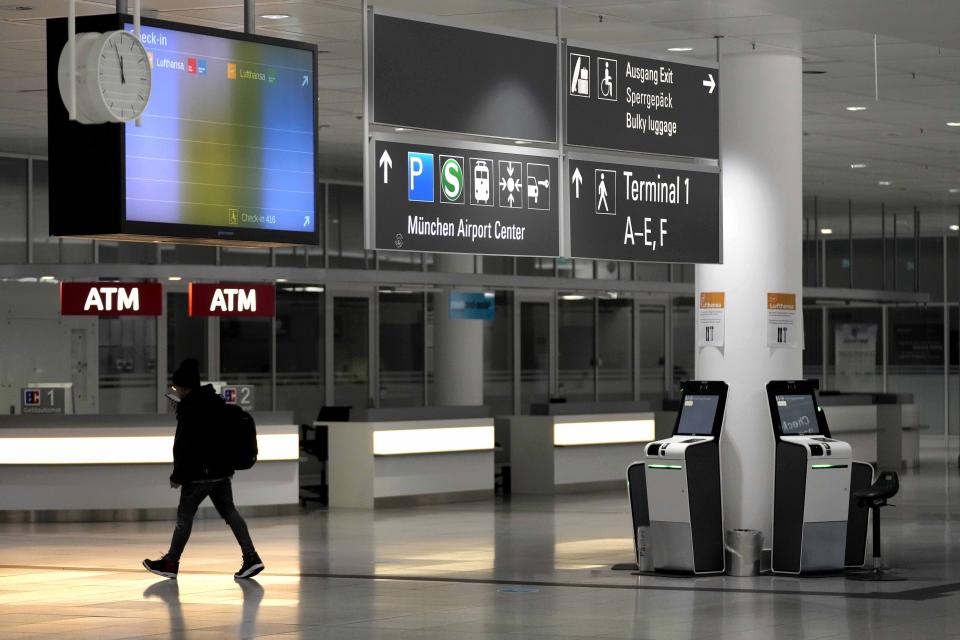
(572, 297)
(680, 49)
(275, 16)
(826, 231)
(856, 108)
(47, 278)
(399, 128)
(953, 124)
(955, 227)
(884, 183)
(520, 142)
(858, 165)
(280, 280)
(954, 190)
(174, 278)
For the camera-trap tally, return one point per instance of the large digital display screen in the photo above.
(798, 415)
(227, 141)
(697, 415)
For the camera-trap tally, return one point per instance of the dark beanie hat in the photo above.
(188, 374)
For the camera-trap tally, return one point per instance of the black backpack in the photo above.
(240, 438)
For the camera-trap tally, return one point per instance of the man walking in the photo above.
(200, 469)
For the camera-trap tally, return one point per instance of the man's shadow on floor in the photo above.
(169, 592)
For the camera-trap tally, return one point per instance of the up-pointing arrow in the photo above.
(710, 82)
(577, 181)
(387, 164)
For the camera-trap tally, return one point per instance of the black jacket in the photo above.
(198, 448)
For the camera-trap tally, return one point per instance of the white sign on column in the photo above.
(710, 318)
(784, 324)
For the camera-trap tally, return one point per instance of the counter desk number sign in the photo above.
(784, 330)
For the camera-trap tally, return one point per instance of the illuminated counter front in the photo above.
(565, 451)
(91, 467)
(385, 457)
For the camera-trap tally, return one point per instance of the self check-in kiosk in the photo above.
(812, 487)
(682, 482)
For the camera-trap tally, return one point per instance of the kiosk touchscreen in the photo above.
(811, 483)
(682, 476)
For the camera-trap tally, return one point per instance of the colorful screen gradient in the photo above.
(227, 139)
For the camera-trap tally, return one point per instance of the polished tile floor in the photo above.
(530, 568)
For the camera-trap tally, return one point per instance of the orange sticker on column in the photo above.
(711, 300)
(782, 301)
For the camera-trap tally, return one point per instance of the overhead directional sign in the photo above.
(477, 199)
(432, 76)
(643, 214)
(628, 103)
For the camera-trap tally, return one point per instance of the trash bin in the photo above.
(744, 550)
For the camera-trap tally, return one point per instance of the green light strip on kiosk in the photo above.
(666, 466)
(829, 466)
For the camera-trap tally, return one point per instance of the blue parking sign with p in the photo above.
(419, 176)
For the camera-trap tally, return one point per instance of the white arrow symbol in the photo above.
(577, 181)
(510, 200)
(387, 164)
(710, 82)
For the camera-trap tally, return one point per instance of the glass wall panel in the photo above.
(401, 349)
(300, 351)
(651, 352)
(128, 365)
(854, 349)
(351, 351)
(575, 353)
(615, 330)
(186, 336)
(245, 345)
(13, 211)
(915, 360)
(534, 354)
(498, 355)
(684, 356)
(345, 226)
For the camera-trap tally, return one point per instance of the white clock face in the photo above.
(123, 75)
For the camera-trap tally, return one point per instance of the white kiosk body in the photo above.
(683, 488)
(811, 484)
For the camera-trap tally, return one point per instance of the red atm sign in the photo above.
(240, 300)
(111, 298)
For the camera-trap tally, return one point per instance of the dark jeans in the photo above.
(221, 494)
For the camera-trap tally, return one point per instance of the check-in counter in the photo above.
(394, 457)
(569, 447)
(880, 427)
(117, 467)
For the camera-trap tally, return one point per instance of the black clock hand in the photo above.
(120, 59)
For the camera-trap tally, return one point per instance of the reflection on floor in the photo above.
(530, 568)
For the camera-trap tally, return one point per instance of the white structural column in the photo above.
(457, 346)
(760, 154)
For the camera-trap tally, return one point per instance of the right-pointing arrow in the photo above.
(710, 82)
(577, 181)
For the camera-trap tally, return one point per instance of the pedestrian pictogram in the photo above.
(606, 191)
(607, 79)
(511, 184)
(579, 75)
(451, 180)
(538, 186)
(481, 176)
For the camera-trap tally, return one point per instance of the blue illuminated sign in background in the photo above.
(471, 306)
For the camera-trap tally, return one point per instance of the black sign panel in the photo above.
(623, 102)
(644, 214)
(463, 200)
(431, 76)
